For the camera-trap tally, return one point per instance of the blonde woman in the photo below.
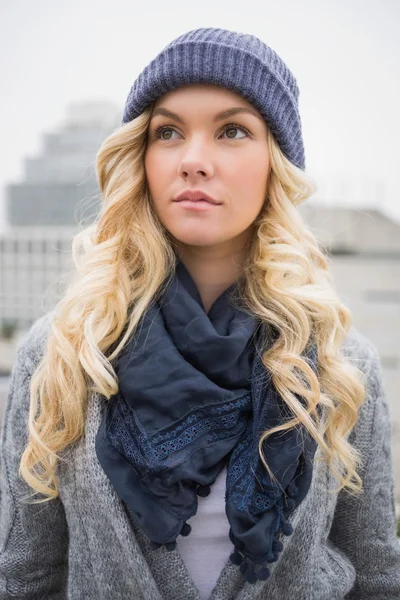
(198, 418)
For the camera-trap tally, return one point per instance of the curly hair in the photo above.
(126, 257)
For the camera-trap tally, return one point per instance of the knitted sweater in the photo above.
(84, 546)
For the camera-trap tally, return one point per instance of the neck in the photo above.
(213, 271)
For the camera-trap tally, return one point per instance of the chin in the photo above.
(197, 239)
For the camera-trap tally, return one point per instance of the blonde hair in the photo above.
(125, 259)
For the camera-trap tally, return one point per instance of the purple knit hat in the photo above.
(238, 61)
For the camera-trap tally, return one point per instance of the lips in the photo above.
(195, 196)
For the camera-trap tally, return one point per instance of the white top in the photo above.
(206, 549)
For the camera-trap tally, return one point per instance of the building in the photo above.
(34, 262)
(62, 180)
(59, 193)
(365, 262)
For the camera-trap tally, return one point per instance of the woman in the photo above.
(204, 421)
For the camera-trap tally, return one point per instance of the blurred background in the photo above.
(65, 73)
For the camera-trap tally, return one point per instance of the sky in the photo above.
(344, 54)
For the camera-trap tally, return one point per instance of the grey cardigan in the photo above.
(83, 546)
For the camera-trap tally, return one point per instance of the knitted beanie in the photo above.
(238, 61)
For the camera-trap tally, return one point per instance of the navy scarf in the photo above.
(193, 397)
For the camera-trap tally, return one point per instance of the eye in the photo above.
(233, 126)
(158, 133)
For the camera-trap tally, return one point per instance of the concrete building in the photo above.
(34, 263)
(61, 182)
(59, 193)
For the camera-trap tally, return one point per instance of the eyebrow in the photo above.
(218, 117)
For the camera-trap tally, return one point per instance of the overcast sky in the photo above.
(345, 55)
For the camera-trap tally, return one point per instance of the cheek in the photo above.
(160, 175)
(157, 169)
(249, 181)
(150, 166)
(254, 170)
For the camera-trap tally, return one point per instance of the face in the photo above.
(193, 146)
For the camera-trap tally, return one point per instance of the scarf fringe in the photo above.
(252, 568)
(256, 568)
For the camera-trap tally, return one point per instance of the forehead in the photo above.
(195, 91)
(204, 98)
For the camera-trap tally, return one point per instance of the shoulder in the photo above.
(361, 352)
(33, 343)
(30, 350)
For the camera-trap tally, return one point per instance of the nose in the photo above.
(196, 160)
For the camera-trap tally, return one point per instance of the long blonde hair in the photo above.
(125, 259)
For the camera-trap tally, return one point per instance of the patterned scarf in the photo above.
(193, 397)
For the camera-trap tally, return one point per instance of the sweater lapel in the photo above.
(162, 575)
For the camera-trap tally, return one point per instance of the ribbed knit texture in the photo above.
(84, 546)
(238, 61)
